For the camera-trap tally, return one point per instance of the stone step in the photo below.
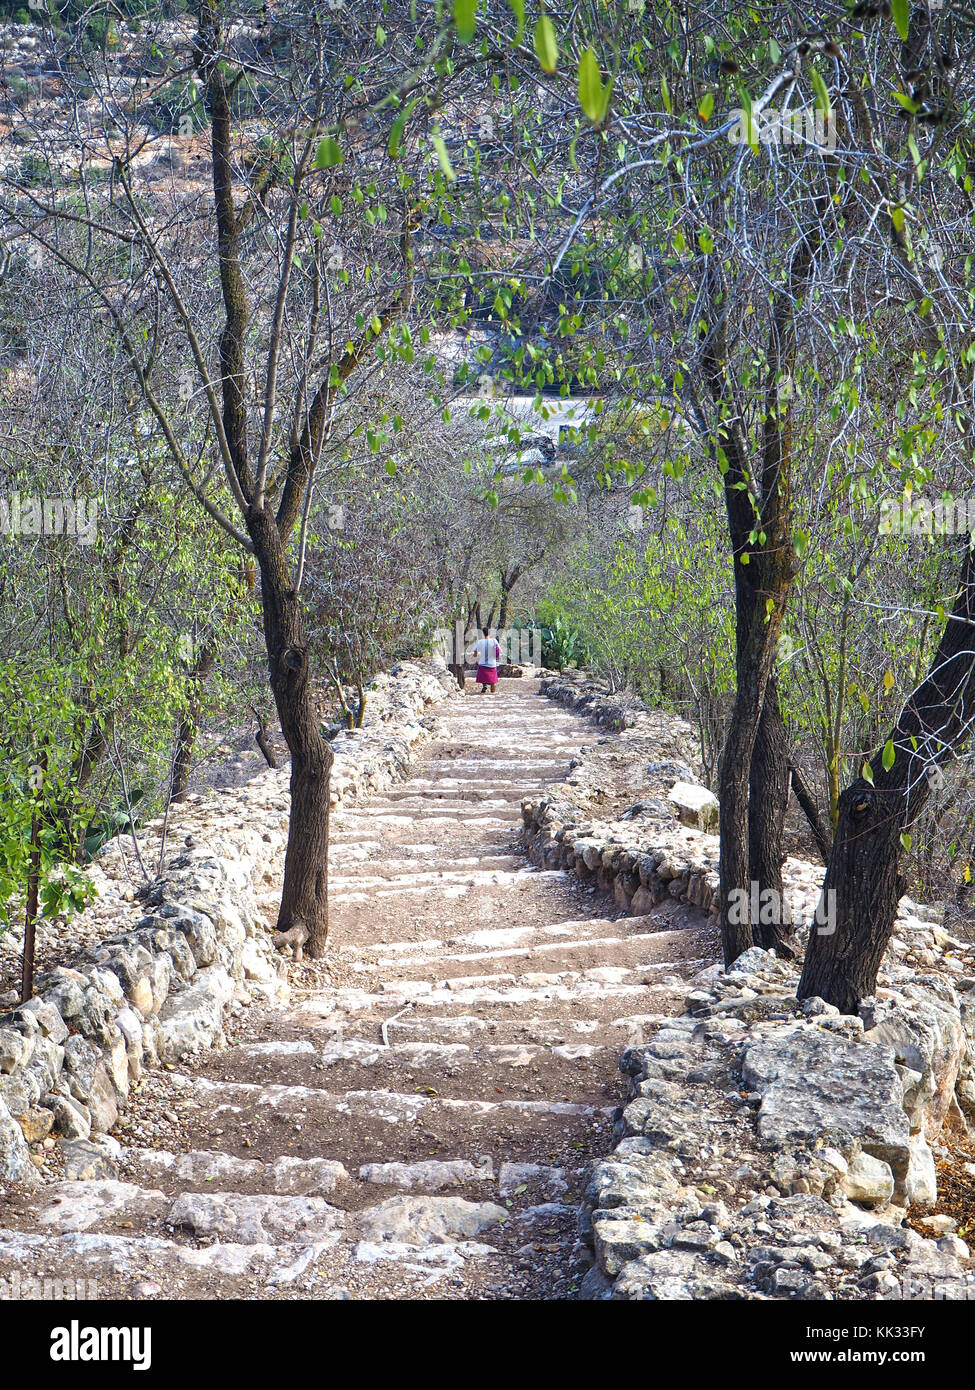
(210, 1170)
(498, 938)
(428, 1122)
(453, 804)
(476, 1070)
(367, 1054)
(93, 1265)
(355, 1127)
(436, 859)
(391, 1107)
(442, 889)
(384, 820)
(624, 952)
(420, 879)
(202, 1169)
(595, 999)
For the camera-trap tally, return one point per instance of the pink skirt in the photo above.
(486, 675)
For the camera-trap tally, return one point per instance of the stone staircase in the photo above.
(419, 1121)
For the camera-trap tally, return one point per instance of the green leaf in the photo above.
(866, 772)
(901, 10)
(906, 842)
(465, 18)
(443, 156)
(665, 94)
(897, 218)
(593, 96)
(706, 106)
(889, 755)
(328, 154)
(749, 114)
(546, 45)
(396, 135)
(822, 95)
(518, 7)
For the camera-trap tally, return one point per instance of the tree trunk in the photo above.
(806, 800)
(303, 914)
(508, 582)
(845, 950)
(186, 735)
(262, 738)
(755, 654)
(768, 799)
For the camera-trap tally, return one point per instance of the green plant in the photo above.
(562, 645)
(35, 170)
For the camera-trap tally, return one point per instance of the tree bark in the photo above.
(844, 952)
(262, 740)
(806, 800)
(303, 913)
(768, 799)
(756, 650)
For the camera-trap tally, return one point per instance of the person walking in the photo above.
(487, 653)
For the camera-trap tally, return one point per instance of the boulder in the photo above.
(15, 1160)
(427, 1220)
(868, 1181)
(927, 1037)
(192, 1019)
(694, 805)
(920, 1186)
(816, 1085)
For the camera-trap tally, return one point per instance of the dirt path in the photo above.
(417, 1124)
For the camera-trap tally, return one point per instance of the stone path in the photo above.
(418, 1122)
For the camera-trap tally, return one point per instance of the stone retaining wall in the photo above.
(767, 1148)
(155, 986)
(632, 811)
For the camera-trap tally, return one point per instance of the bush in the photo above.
(175, 102)
(35, 170)
(20, 91)
(562, 646)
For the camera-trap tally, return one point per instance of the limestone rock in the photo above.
(102, 1102)
(816, 1086)
(78, 1206)
(192, 1019)
(15, 1159)
(427, 1220)
(920, 1186)
(252, 1220)
(695, 805)
(36, 1124)
(868, 1181)
(85, 1161)
(927, 1037)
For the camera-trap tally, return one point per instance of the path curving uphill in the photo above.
(418, 1122)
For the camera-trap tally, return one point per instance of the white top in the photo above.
(486, 651)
